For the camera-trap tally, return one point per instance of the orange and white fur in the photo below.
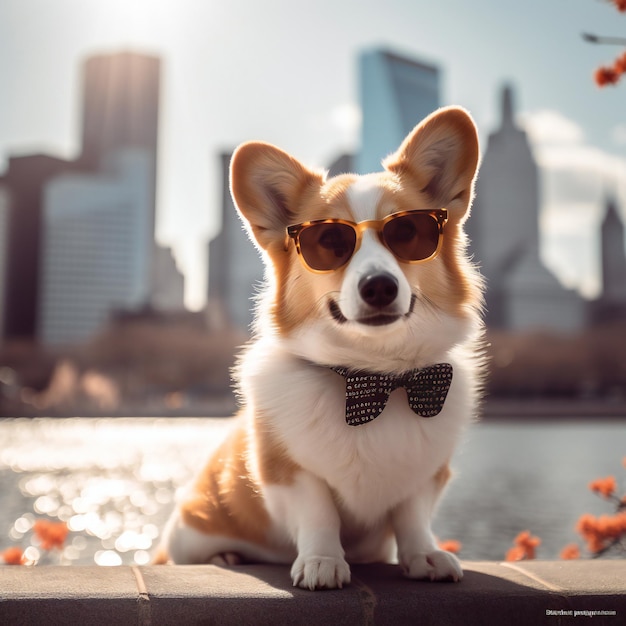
(293, 483)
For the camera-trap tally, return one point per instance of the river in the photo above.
(114, 480)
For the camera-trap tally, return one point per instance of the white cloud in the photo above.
(575, 181)
(559, 145)
(618, 134)
(545, 127)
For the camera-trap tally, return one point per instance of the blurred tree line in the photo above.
(160, 366)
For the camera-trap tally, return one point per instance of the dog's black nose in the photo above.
(378, 290)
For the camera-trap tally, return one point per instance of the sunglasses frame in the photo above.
(293, 232)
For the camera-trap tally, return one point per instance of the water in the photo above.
(529, 476)
(113, 481)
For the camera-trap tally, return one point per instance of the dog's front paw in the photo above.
(320, 572)
(436, 565)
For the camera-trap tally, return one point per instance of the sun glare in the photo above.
(135, 22)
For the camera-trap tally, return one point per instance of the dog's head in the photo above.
(362, 286)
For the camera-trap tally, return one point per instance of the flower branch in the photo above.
(609, 74)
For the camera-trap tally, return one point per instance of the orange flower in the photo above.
(612, 526)
(601, 532)
(13, 556)
(588, 528)
(570, 552)
(526, 541)
(621, 5)
(605, 76)
(50, 534)
(516, 553)
(586, 524)
(450, 545)
(524, 547)
(605, 486)
(620, 63)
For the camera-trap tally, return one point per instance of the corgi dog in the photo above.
(363, 371)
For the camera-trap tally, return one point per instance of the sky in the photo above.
(285, 71)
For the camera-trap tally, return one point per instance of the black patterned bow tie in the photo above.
(367, 393)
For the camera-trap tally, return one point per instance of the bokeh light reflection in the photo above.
(112, 481)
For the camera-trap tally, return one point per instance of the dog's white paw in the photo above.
(320, 572)
(437, 565)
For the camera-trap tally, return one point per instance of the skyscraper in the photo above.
(504, 230)
(168, 282)
(97, 246)
(611, 305)
(613, 256)
(397, 92)
(120, 108)
(82, 232)
(120, 104)
(25, 179)
(99, 222)
(235, 265)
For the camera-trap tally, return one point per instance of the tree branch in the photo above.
(615, 41)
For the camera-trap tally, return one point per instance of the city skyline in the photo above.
(81, 232)
(239, 71)
(504, 232)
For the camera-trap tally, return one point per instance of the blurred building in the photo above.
(26, 178)
(522, 293)
(396, 93)
(97, 246)
(343, 164)
(168, 282)
(121, 110)
(613, 255)
(235, 265)
(4, 245)
(82, 232)
(611, 305)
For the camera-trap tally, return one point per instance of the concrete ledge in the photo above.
(532, 592)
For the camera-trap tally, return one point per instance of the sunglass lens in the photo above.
(412, 237)
(327, 246)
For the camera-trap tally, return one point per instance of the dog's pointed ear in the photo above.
(440, 157)
(268, 187)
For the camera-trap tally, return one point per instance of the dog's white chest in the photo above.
(370, 467)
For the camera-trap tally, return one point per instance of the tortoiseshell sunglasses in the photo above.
(327, 245)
